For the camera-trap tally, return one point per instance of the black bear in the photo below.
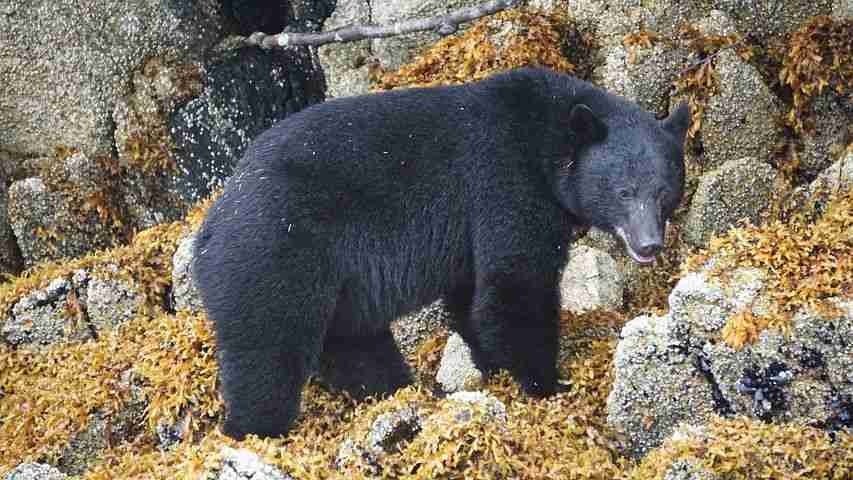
(352, 212)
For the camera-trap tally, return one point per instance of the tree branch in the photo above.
(442, 24)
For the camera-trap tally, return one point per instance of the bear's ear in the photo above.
(678, 121)
(584, 123)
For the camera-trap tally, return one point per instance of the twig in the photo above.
(443, 25)
(710, 57)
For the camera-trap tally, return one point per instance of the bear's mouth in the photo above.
(634, 255)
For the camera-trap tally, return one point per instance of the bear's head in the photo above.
(625, 174)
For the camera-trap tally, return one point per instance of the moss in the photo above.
(506, 40)
(744, 327)
(741, 448)
(816, 57)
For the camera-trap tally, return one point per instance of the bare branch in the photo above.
(442, 24)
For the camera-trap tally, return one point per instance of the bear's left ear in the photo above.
(588, 127)
(678, 121)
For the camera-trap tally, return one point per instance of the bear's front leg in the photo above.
(262, 389)
(515, 318)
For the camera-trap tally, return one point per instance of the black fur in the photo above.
(352, 212)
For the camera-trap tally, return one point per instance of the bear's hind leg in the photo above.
(364, 365)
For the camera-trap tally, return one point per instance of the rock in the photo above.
(71, 309)
(457, 370)
(245, 465)
(102, 432)
(42, 317)
(740, 121)
(833, 127)
(717, 23)
(385, 436)
(249, 16)
(389, 429)
(494, 408)
(65, 96)
(737, 190)
(347, 65)
(590, 281)
(790, 379)
(687, 470)
(813, 198)
(350, 454)
(246, 90)
(143, 142)
(679, 367)
(184, 292)
(34, 471)
(760, 19)
(842, 9)
(411, 330)
(700, 307)
(11, 262)
(647, 78)
(171, 434)
(656, 385)
(836, 179)
(612, 20)
(109, 303)
(71, 209)
(394, 52)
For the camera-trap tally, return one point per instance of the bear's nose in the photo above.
(649, 249)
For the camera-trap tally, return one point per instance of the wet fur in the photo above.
(344, 216)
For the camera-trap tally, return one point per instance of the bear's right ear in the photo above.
(584, 123)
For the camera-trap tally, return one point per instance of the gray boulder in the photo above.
(717, 23)
(243, 464)
(142, 140)
(837, 178)
(833, 115)
(842, 9)
(494, 408)
(34, 471)
(11, 261)
(687, 470)
(48, 223)
(389, 429)
(71, 309)
(109, 303)
(386, 434)
(761, 19)
(184, 292)
(738, 189)
(647, 79)
(53, 96)
(657, 385)
(347, 65)
(394, 52)
(101, 432)
(40, 318)
(411, 330)
(457, 370)
(741, 120)
(612, 20)
(591, 280)
(676, 368)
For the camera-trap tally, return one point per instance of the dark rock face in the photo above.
(247, 16)
(246, 91)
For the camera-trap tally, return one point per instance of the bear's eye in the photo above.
(625, 194)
